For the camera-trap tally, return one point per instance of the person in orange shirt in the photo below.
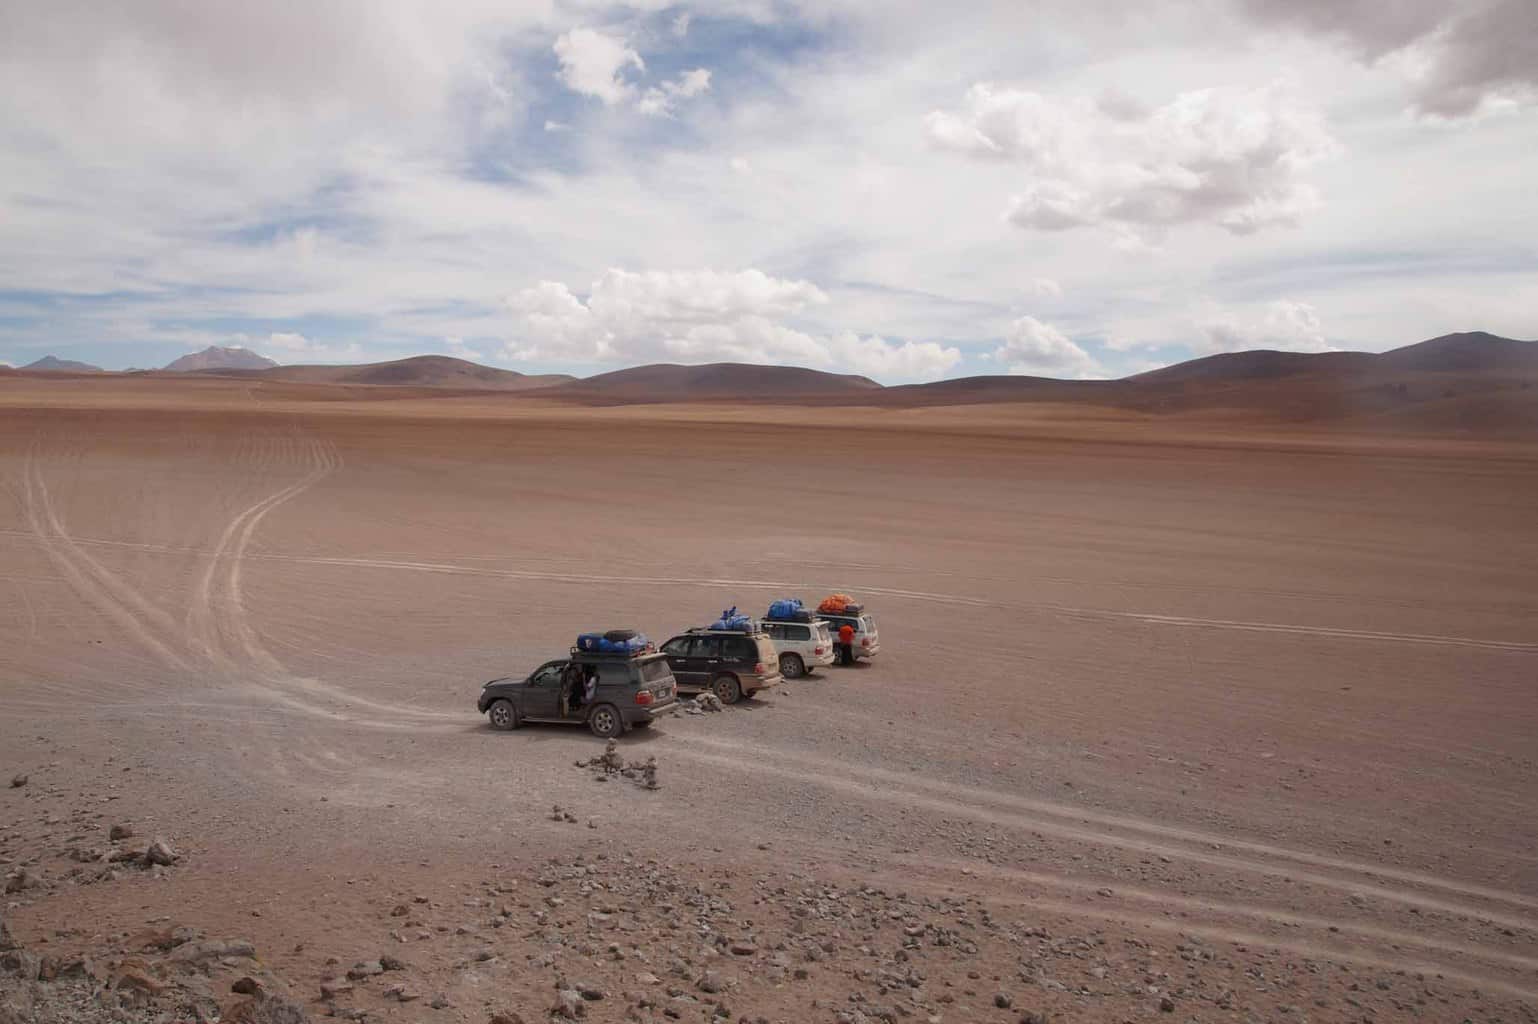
(846, 644)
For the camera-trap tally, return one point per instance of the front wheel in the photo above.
(791, 666)
(726, 689)
(605, 722)
(503, 715)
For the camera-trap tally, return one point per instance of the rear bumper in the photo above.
(819, 660)
(649, 712)
(868, 652)
(751, 685)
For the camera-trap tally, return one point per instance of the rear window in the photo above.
(653, 671)
(868, 623)
(798, 632)
(823, 633)
(739, 648)
(766, 652)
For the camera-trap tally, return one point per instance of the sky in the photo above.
(907, 190)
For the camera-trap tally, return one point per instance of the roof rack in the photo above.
(614, 655)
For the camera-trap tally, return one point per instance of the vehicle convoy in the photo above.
(803, 640)
(609, 683)
(840, 610)
(731, 657)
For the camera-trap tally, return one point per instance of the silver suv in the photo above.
(803, 646)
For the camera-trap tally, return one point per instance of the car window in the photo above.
(868, 623)
(823, 633)
(739, 648)
(547, 675)
(775, 630)
(706, 647)
(651, 671)
(678, 646)
(798, 632)
(614, 675)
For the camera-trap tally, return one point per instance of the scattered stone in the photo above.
(120, 832)
(743, 947)
(1003, 1001)
(568, 1005)
(1166, 1005)
(267, 1008)
(401, 994)
(212, 949)
(391, 963)
(17, 781)
(364, 970)
(246, 986)
(507, 1017)
(439, 1002)
(7, 940)
(161, 853)
(330, 988)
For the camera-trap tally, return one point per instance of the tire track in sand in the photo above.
(121, 603)
(1101, 829)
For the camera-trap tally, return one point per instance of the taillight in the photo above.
(865, 641)
(759, 669)
(643, 697)
(817, 651)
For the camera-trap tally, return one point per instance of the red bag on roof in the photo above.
(834, 604)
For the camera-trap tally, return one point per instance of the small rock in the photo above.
(161, 852)
(401, 994)
(391, 963)
(267, 1008)
(118, 832)
(507, 1017)
(246, 986)
(1166, 1005)
(1003, 1001)
(568, 1005)
(17, 781)
(592, 993)
(330, 988)
(365, 969)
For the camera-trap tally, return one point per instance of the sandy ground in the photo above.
(1227, 727)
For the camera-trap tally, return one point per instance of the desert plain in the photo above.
(1175, 719)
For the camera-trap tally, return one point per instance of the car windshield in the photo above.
(652, 671)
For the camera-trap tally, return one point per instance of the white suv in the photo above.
(803, 646)
(867, 642)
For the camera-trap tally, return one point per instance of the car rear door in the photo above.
(706, 659)
(680, 654)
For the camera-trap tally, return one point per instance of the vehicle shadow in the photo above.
(545, 732)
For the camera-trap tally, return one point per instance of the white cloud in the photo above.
(592, 63)
(1033, 348)
(1044, 288)
(557, 126)
(1461, 59)
(701, 316)
(1229, 157)
(681, 25)
(1284, 325)
(456, 347)
(660, 100)
(302, 348)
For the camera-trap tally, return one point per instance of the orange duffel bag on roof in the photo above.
(834, 604)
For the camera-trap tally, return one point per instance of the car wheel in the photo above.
(606, 722)
(791, 666)
(503, 715)
(726, 689)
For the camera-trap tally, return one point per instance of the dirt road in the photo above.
(1226, 731)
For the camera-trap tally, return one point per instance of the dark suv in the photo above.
(728, 663)
(630, 691)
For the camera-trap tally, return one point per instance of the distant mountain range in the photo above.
(1470, 380)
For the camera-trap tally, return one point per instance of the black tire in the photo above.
(502, 714)
(605, 722)
(791, 666)
(726, 688)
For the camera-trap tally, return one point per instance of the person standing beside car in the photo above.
(846, 644)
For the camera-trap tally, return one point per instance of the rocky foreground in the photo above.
(600, 936)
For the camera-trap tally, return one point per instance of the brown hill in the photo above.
(53, 364)
(216, 358)
(670, 382)
(416, 371)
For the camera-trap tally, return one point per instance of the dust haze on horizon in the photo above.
(893, 191)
